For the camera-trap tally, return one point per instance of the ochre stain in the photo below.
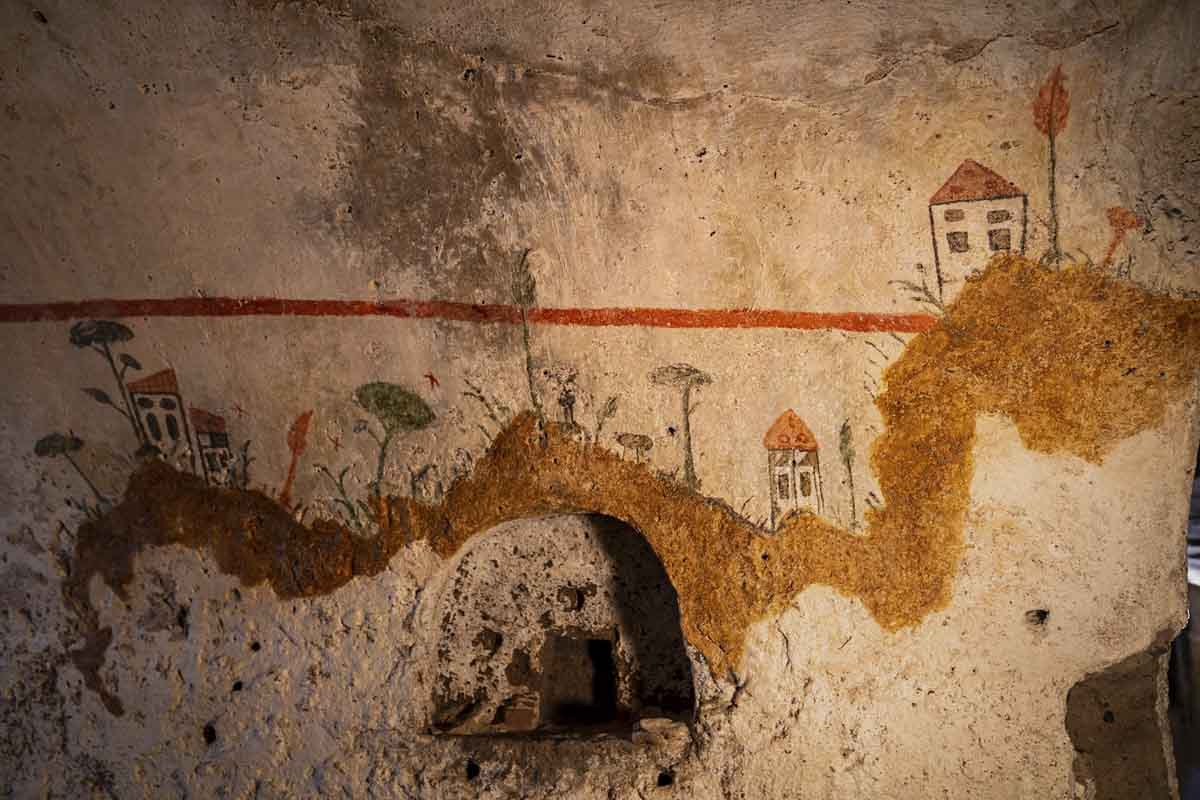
(1078, 361)
(715, 318)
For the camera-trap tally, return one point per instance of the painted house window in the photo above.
(805, 484)
(998, 216)
(155, 429)
(1000, 238)
(172, 426)
(218, 440)
(783, 485)
(957, 241)
(954, 215)
(145, 402)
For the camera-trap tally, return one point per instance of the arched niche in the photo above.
(559, 625)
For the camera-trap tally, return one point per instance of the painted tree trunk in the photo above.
(1055, 253)
(377, 490)
(101, 499)
(533, 398)
(689, 464)
(133, 417)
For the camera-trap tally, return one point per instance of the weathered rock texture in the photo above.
(397, 297)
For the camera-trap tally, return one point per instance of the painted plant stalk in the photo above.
(297, 441)
(524, 295)
(1050, 111)
(1122, 221)
(56, 444)
(846, 449)
(100, 335)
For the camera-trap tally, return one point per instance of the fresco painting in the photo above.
(975, 215)
(594, 527)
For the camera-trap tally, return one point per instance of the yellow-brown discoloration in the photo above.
(1077, 361)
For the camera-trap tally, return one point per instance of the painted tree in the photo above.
(846, 449)
(55, 445)
(524, 296)
(1050, 111)
(297, 442)
(686, 378)
(100, 335)
(639, 443)
(398, 411)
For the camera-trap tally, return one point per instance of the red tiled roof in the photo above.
(973, 181)
(206, 421)
(159, 383)
(789, 433)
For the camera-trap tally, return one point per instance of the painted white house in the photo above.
(159, 407)
(793, 468)
(212, 442)
(975, 215)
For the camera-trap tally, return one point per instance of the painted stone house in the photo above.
(974, 215)
(793, 468)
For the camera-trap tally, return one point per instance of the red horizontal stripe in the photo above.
(466, 312)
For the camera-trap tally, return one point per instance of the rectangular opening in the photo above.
(579, 681)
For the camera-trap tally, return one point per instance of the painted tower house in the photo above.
(159, 408)
(975, 215)
(212, 444)
(793, 468)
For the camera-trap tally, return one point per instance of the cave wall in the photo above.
(415, 272)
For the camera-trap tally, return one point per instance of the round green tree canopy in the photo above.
(679, 375)
(99, 331)
(635, 441)
(56, 444)
(395, 407)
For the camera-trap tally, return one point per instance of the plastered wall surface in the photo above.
(327, 325)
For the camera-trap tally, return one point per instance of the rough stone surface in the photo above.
(598, 248)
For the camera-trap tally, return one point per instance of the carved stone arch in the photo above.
(562, 624)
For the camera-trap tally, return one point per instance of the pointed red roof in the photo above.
(206, 421)
(974, 181)
(789, 433)
(159, 383)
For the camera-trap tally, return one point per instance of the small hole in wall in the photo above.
(570, 598)
(666, 778)
(210, 733)
(472, 769)
(255, 646)
(1109, 716)
(1037, 616)
(237, 686)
